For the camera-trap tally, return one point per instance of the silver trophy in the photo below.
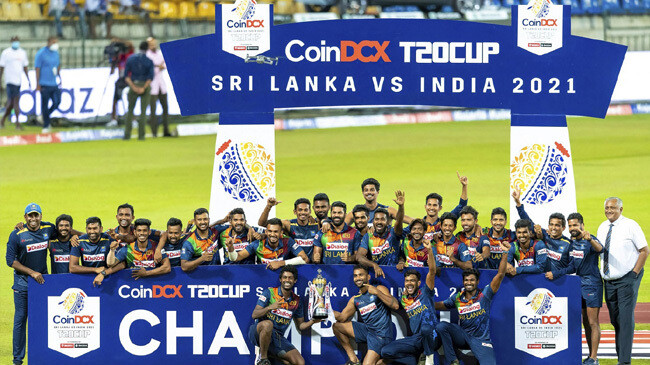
(319, 292)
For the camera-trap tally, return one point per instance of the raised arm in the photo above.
(399, 217)
(270, 203)
(498, 278)
(463, 181)
(431, 260)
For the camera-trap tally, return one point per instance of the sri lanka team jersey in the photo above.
(335, 243)
(473, 314)
(584, 262)
(173, 251)
(384, 250)
(414, 257)
(496, 251)
(374, 313)
(474, 245)
(304, 236)
(154, 234)
(60, 256)
(529, 261)
(240, 242)
(264, 253)
(452, 248)
(134, 257)
(282, 316)
(420, 310)
(30, 249)
(556, 254)
(433, 228)
(92, 254)
(371, 213)
(194, 246)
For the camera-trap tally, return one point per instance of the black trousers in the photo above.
(620, 296)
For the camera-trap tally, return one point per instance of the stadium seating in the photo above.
(205, 10)
(31, 11)
(186, 10)
(168, 9)
(11, 11)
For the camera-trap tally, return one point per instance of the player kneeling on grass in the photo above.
(273, 313)
(138, 255)
(418, 302)
(473, 306)
(274, 250)
(373, 303)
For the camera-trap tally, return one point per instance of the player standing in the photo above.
(275, 309)
(383, 244)
(374, 304)
(370, 190)
(473, 305)
(60, 246)
(336, 246)
(418, 302)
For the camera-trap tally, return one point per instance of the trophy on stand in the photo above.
(319, 297)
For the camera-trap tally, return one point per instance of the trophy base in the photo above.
(320, 316)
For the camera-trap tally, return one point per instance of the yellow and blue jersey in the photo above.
(335, 243)
(420, 310)
(384, 249)
(473, 314)
(304, 236)
(282, 316)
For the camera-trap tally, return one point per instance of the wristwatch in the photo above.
(103, 272)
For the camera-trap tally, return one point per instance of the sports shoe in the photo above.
(263, 362)
(47, 130)
(591, 361)
(112, 123)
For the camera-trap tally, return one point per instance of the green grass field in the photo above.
(171, 177)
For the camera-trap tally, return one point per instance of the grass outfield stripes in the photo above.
(171, 177)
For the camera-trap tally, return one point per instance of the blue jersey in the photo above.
(420, 310)
(584, 262)
(92, 254)
(474, 245)
(304, 236)
(530, 261)
(240, 243)
(496, 251)
(473, 314)
(282, 316)
(557, 254)
(452, 248)
(30, 249)
(173, 252)
(384, 250)
(371, 213)
(154, 234)
(374, 313)
(60, 256)
(335, 243)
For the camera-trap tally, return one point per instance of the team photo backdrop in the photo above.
(203, 317)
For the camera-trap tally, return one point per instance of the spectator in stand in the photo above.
(13, 60)
(132, 7)
(48, 66)
(158, 88)
(138, 75)
(98, 9)
(118, 52)
(59, 8)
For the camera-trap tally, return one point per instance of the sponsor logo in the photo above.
(282, 313)
(577, 254)
(414, 263)
(150, 264)
(305, 242)
(61, 258)
(414, 305)
(539, 22)
(367, 309)
(173, 254)
(73, 323)
(251, 23)
(337, 246)
(94, 258)
(156, 291)
(220, 291)
(554, 255)
(469, 308)
(239, 48)
(540, 326)
(444, 259)
(495, 249)
(347, 51)
(36, 246)
(73, 320)
(527, 262)
(378, 250)
(240, 246)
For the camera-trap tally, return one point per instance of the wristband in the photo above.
(295, 261)
(233, 255)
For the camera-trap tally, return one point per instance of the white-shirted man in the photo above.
(621, 266)
(13, 62)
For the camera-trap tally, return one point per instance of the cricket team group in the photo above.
(369, 236)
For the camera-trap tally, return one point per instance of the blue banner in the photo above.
(398, 62)
(203, 317)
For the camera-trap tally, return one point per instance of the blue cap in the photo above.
(33, 207)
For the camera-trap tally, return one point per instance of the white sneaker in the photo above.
(47, 130)
(112, 123)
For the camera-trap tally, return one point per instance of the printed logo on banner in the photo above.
(541, 323)
(539, 27)
(540, 172)
(247, 171)
(246, 28)
(73, 323)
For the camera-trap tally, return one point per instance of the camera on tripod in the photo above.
(113, 51)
